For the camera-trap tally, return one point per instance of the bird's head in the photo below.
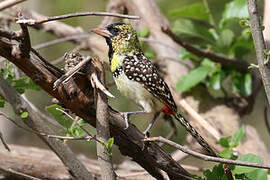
(120, 37)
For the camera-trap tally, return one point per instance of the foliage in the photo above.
(230, 36)
(72, 126)
(147, 51)
(239, 172)
(21, 84)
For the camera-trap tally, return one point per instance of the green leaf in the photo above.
(193, 78)
(225, 141)
(76, 131)
(236, 9)
(149, 54)
(80, 122)
(215, 81)
(226, 153)
(58, 115)
(259, 174)
(248, 84)
(110, 143)
(216, 173)
(208, 63)
(242, 83)
(242, 45)
(143, 33)
(225, 39)
(187, 27)
(24, 115)
(2, 102)
(238, 136)
(247, 158)
(194, 11)
(184, 54)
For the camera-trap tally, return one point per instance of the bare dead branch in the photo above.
(256, 30)
(4, 142)
(77, 14)
(35, 121)
(71, 72)
(97, 84)
(266, 119)
(9, 34)
(17, 174)
(102, 125)
(60, 40)
(205, 157)
(9, 3)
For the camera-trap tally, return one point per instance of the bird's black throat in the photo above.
(110, 53)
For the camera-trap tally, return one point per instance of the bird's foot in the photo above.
(146, 132)
(126, 115)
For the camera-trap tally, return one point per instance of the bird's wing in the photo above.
(139, 68)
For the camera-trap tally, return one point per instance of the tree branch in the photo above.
(35, 121)
(102, 126)
(9, 3)
(77, 14)
(256, 30)
(240, 65)
(206, 157)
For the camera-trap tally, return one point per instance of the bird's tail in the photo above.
(194, 133)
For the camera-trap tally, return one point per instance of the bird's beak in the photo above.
(102, 32)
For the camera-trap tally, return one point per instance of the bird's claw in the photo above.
(146, 134)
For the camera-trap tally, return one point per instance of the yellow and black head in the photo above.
(120, 37)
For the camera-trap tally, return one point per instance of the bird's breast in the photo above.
(137, 93)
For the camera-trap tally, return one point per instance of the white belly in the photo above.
(137, 93)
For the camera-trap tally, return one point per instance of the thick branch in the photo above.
(103, 128)
(9, 3)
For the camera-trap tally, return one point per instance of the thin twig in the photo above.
(70, 73)
(205, 157)
(18, 174)
(102, 126)
(9, 3)
(77, 14)
(240, 65)
(4, 142)
(60, 40)
(256, 30)
(88, 137)
(266, 119)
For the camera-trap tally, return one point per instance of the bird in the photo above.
(138, 79)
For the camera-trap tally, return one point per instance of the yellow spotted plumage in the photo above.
(137, 78)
